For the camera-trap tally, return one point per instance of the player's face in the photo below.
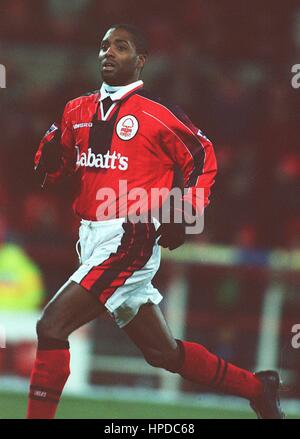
(119, 62)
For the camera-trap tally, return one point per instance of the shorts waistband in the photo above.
(109, 222)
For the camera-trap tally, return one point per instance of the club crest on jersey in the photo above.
(127, 127)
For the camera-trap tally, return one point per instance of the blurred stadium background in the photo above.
(235, 288)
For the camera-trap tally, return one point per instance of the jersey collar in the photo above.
(122, 93)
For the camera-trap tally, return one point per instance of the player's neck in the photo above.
(110, 89)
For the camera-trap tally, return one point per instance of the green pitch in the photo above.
(13, 406)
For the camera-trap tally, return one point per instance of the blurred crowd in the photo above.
(228, 66)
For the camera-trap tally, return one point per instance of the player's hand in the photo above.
(172, 235)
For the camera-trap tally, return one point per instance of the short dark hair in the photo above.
(140, 39)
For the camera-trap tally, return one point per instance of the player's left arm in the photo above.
(194, 153)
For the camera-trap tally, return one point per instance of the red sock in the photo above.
(205, 368)
(49, 375)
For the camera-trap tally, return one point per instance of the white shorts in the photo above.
(118, 261)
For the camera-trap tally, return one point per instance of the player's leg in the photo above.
(71, 308)
(149, 331)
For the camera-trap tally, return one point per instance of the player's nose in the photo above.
(105, 55)
(109, 52)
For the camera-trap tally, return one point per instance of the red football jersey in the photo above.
(129, 150)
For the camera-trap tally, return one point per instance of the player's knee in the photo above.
(46, 328)
(162, 359)
(43, 329)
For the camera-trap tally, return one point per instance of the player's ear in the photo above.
(141, 61)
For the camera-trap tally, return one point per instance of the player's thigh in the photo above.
(150, 331)
(69, 309)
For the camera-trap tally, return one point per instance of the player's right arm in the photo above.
(56, 154)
